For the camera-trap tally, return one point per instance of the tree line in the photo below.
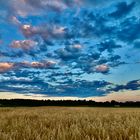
(88, 103)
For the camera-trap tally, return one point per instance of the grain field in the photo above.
(69, 123)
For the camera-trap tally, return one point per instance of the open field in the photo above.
(69, 123)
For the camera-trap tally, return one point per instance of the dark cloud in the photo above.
(132, 85)
(108, 45)
(96, 63)
(68, 88)
(37, 65)
(122, 9)
(11, 54)
(22, 73)
(69, 52)
(129, 29)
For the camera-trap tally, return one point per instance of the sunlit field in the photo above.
(69, 123)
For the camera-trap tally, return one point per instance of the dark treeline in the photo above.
(90, 103)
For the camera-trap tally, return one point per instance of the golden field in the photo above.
(69, 123)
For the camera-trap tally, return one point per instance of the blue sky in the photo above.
(70, 48)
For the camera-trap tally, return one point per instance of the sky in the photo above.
(70, 49)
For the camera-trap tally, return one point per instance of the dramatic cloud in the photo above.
(73, 48)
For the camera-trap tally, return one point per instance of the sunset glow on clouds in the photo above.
(70, 49)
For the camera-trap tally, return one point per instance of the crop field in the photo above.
(69, 123)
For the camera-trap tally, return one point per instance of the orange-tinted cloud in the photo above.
(24, 44)
(4, 66)
(45, 32)
(46, 64)
(102, 68)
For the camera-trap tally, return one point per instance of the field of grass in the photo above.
(69, 123)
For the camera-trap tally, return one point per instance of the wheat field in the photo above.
(69, 123)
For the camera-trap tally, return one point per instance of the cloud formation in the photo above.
(122, 9)
(24, 44)
(73, 48)
(5, 66)
(102, 68)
